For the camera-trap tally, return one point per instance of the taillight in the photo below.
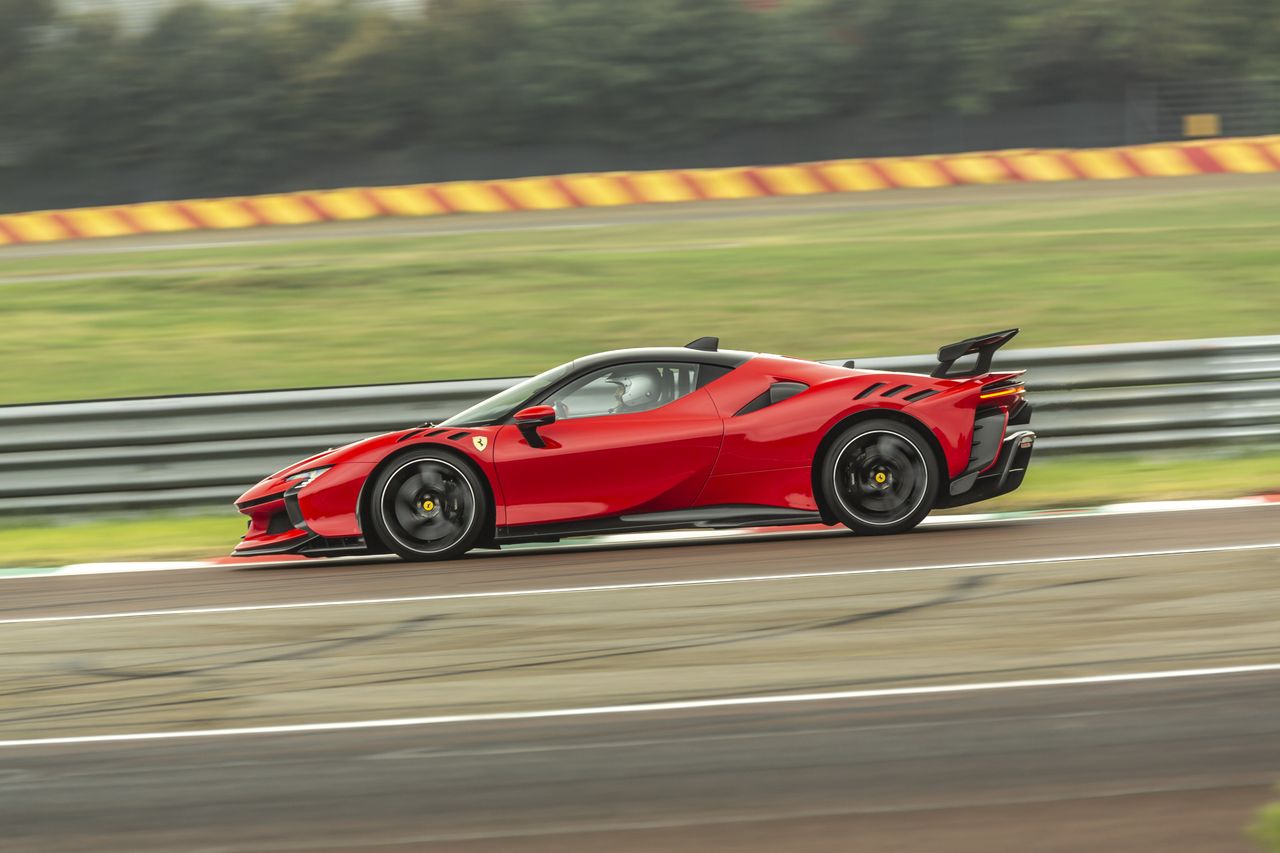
(1003, 388)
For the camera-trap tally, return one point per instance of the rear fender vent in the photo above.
(988, 430)
(409, 435)
(920, 395)
(458, 436)
(436, 432)
(895, 390)
(1020, 414)
(869, 390)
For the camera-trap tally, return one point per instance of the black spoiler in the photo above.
(984, 345)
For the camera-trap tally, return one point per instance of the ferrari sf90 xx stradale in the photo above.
(661, 439)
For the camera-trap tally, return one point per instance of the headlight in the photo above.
(302, 479)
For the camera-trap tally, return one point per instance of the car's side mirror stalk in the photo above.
(528, 420)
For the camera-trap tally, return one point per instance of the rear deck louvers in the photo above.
(869, 390)
(895, 391)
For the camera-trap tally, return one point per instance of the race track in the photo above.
(1152, 642)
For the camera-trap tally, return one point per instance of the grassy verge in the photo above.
(150, 537)
(870, 282)
(1096, 480)
(1054, 483)
(1266, 829)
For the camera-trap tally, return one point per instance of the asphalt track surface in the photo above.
(500, 639)
(604, 217)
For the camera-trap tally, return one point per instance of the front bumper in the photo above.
(1001, 478)
(320, 519)
(276, 525)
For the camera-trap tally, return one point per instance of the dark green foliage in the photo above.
(211, 98)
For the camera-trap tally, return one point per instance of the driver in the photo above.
(636, 389)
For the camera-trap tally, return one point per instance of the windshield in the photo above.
(505, 402)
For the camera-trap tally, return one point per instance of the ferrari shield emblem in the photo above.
(480, 442)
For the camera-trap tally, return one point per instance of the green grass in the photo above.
(869, 282)
(1095, 480)
(1266, 828)
(1054, 483)
(50, 542)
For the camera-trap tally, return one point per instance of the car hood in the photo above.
(368, 451)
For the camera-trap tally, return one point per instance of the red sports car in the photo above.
(659, 439)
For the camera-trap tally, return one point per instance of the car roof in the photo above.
(724, 358)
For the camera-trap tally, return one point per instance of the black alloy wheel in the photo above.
(880, 476)
(428, 505)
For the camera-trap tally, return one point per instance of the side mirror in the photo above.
(528, 420)
(536, 416)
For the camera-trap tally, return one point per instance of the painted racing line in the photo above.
(640, 539)
(640, 585)
(695, 704)
(650, 707)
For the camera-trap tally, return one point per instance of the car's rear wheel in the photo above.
(879, 476)
(428, 505)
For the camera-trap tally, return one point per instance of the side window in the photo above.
(627, 388)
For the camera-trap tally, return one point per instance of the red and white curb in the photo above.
(638, 539)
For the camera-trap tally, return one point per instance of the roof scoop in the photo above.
(704, 344)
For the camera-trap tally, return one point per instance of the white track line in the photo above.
(652, 707)
(646, 539)
(567, 590)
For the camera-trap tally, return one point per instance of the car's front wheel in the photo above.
(428, 505)
(879, 476)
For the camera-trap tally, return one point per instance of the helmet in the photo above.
(636, 388)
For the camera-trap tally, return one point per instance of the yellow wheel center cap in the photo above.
(880, 477)
(428, 505)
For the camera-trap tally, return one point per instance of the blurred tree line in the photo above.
(217, 98)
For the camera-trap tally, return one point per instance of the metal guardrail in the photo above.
(183, 451)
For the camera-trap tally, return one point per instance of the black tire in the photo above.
(879, 477)
(429, 505)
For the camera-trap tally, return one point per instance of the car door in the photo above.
(602, 458)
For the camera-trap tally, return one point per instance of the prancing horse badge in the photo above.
(480, 442)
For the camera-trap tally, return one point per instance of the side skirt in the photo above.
(701, 518)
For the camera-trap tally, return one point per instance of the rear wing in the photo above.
(984, 345)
